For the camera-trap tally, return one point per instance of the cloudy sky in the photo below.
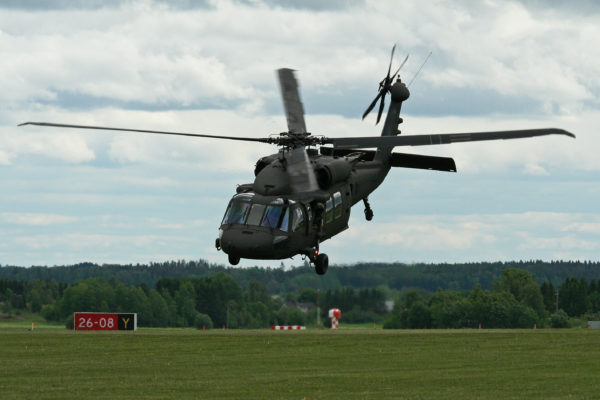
(70, 196)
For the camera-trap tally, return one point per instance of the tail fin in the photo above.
(399, 93)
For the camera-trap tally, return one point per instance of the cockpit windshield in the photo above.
(242, 211)
(237, 212)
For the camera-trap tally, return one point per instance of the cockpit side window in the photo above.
(298, 220)
(337, 202)
(329, 210)
(237, 212)
(271, 217)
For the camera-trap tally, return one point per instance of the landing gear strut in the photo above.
(368, 211)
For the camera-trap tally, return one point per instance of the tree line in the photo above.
(397, 276)
(515, 300)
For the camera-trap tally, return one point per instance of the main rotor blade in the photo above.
(402, 160)
(302, 175)
(294, 111)
(446, 138)
(104, 128)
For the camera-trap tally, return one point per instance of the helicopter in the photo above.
(303, 194)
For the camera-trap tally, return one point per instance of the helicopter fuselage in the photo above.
(268, 223)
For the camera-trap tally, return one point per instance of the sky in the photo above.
(70, 196)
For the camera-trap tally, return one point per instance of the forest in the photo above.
(197, 294)
(285, 279)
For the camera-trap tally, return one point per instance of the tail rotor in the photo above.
(384, 87)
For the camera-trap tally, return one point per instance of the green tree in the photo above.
(522, 285)
(258, 315)
(94, 295)
(257, 292)
(160, 310)
(175, 319)
(203, 321)
(572, 297)
(549, 295)
(559, 320)
(522, 316)
(290, 316)
(308, 295)
(448, 309)
(480, 302)
(185, 299)
(215, 294)
(417, 316)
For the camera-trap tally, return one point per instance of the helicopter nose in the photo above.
(247, 243)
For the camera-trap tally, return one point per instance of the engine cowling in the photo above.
(263, 162)
(334, 171)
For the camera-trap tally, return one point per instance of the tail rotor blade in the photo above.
(384, 87)
(391, 60)
(401, 65)
(372, 105)
(381, 106)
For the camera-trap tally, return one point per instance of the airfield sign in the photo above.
(95, 321)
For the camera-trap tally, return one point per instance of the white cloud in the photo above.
(36, 219)
(5, 158)
(148, 53)
(69, 147)
(465, 238)
(87, 241)
(584, 227)
(556, 244)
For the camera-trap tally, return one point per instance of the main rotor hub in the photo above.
(292, 140)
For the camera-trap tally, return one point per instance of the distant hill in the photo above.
(361, 275)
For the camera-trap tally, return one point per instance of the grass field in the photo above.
(51, 362)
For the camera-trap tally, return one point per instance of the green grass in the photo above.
(314, 364)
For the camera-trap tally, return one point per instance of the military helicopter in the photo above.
(301, 195)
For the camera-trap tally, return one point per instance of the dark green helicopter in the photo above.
(302, 196)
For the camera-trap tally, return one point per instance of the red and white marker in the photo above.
(288, 327)
(335, 315)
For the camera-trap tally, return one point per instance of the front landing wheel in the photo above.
(234, 260)
(321, 264)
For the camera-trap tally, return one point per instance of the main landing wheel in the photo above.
(234, 260)
(321, 264)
